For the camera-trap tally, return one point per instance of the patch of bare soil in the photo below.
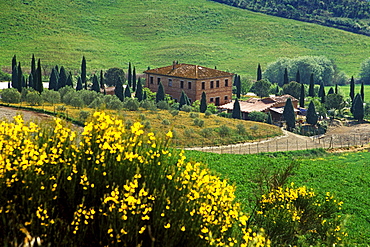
(9, 113)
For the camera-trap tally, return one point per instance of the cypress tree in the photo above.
(203, 103)
(269, 118)
(236, 110)
(352, 89)
(322, 93)
(182, 99)
(134, 80)
(331, 91)
(23, 82)
(289, 115)
(30, 81)
(15, 77)
(83, 72)
(62, 80)
(33, 66)
(95, 84)
(127, 92)
(129, 75)
(57, 68)
(277, 90)
(79, 84)
(301, 97)
(101, 80)
(53, 80)
(311, 117)
(139, 90)
(362, 92)
(19, 78)
(259, 72)
(286, 77)
(144, 95)
(160, 93)
(336, 88)
(38, 82)
(238, 86)
(298, 77)
(118, 90)
(311, 89)
(14, 62)
(358, 108)
(69, 81)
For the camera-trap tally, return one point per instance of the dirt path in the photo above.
(9, 113)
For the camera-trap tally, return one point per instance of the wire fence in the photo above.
(290, 144)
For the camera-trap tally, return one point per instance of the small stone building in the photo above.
(193, 80)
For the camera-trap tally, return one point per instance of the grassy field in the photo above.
(344, 174)
(154, 33)
(344, 90)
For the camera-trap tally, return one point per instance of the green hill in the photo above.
(156, 32)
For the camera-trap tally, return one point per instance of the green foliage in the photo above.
(174, 112)
(302, 96)
(311, 89)
(358, 108)
(223, 130)
(163, 105)
(131, 104)
(88, 96)
(118, 90)
(83, 115)
(203, 103)
(76, 101)
(10, 95)
(365, 71)
(311, 117)
(269, 118)
(127, 92)
(4, 76)
(95, 84)
(149, 105)
(97, 103)
(83, 72)
(193, 115)
(289, 115)
(113, 102)
(64, 93)
(186, 108)
(352, 88)
(241, 129)
(160, 93)
(236, 113)
(62, 78)
(261, 88)
(34, 98)
(208, 113)
(334, 101)
(259, 72)
(257, 116)
(50, 96)
(166, 122)
(293, 88)
(139, 90)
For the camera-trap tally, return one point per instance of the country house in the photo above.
(193, 80)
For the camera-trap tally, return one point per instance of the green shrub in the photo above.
(223, 130)
(113, 102)
(64, 91)
(131, 104)
(97, 103)
(61, 108)
(163, 105)
(83, 115)
(148, 105)
(166, 122)
(198, 122)
(174, 112)
(76, 101)
(207, 113)
(241, 129)
(207, 132)
(88, 96)
(34, 98)
(224, 114)
(50, 96)
(257, 116)
(5, 76)
(186, 108)
(194, 115)
(10, 95)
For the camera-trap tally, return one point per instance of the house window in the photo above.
(189, 84)
(170, 82)
(211, 100)
(226, 82)
(211, 86)
(151, 80)
(181, 84)
(158, 80)
(203, 85)
(226, 98)
(217, 83)
(217, 103)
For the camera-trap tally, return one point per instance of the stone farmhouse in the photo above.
(193, 80)
(274, 105)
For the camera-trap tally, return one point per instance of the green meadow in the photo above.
(154, 33)
(345, 175)
(344, 90)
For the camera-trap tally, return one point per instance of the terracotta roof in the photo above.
(189, 71)
(255, 104)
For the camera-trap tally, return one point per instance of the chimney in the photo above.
(173, 65)
(196, 71)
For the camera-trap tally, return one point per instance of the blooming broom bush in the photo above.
(300, 217)
(111, 187)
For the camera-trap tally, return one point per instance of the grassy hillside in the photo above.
(344, 175)
(154, 33)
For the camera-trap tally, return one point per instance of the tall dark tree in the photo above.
(30, 81)
(129, 75)
(322, 93)
(57, 68)
(286, 77)
(183, 99)
(38, 80)
(14, 62)
(269, 118)
(352, 88)
(33, 66)
(259, 72)
(118, 90)
(298, 77)
(336, 89)
(139, 90)
(83, 72)
(69, 81)
(145, 96)
(15, 77)
(203, 103)
(311, 117)
(362, 92)
(311, 89)
(127, 92)
(289, 115)
(134, 80)
(238, 85)
(23, 82)
(302, 96)
(331, 90)
(358, 108)
(236, 113)
(102, 80)
(20, 77)
(160, 93)
(53, 80)
(95, 84)
(62, 80)
(79, 84)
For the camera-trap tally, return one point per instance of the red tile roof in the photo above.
(255, 104)
(189, 71)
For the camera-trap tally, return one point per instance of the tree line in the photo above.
(350, 15)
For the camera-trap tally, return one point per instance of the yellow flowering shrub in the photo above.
(111, 186)
(299, 216)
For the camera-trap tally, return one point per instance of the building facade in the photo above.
(193, 80)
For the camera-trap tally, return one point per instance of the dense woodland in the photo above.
(350, 15)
